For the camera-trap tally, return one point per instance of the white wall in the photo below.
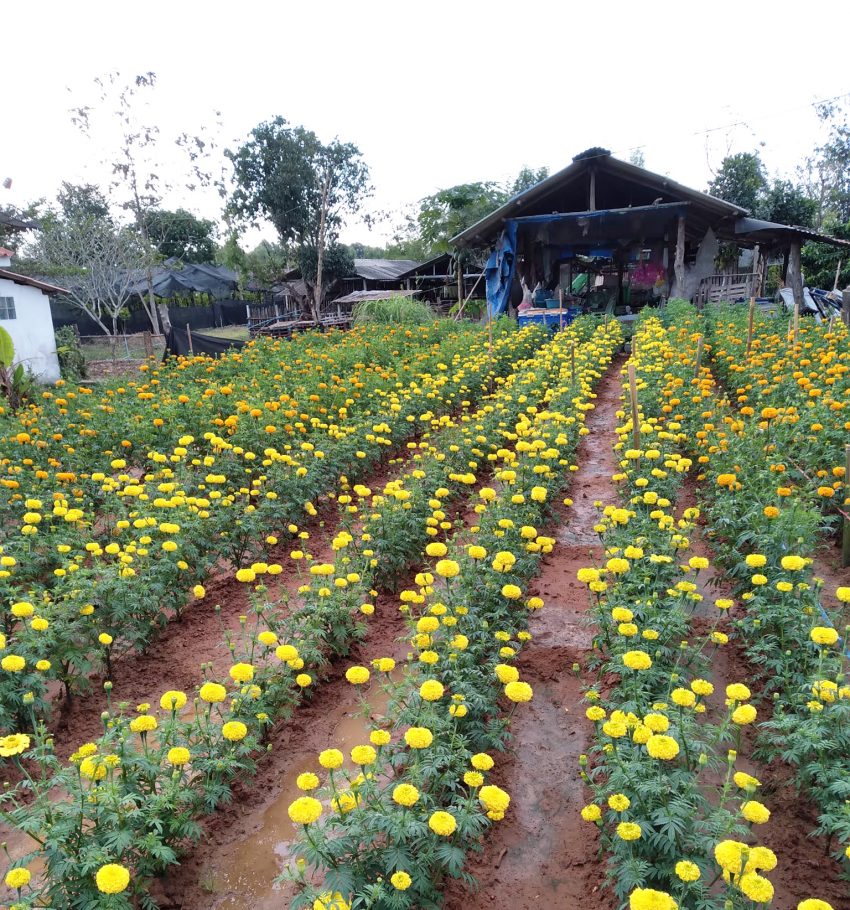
(31, 330)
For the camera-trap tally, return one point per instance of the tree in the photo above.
(526, 178)
(304, 187)
(338, 263)
(786, 203)
(267, 263)
(741, 180)
(133, 157)
(181, 235)
(826, 174)
(97, 262)
(82, 200)
(637, 158)
(448, 212)
(822, 261)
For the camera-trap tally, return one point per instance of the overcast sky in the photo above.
(433, 93)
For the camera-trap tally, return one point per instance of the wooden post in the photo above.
(795, 274)
(459, 281)
(679, 266)
(845, 313)
(845, 538)
(189, 336)
(699, 357)
(750, 325)
(561, 306)
(796, 323)
(573, 364)
(592, 194)
(634, 399)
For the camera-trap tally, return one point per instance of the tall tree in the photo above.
(82, 200)
(787, 203)
(97, 263)
(740, 180)
(304, 187)
(526, 178)
(135, 159)
(450, 211)
(826, 173)
(181, 235)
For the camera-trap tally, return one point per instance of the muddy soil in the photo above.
(543, 854)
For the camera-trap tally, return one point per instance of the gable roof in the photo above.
(31, 282)
(618, 185)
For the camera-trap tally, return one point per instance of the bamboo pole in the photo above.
(634, 400)
(189, 336)
(561, 307)
(750, 325)
(796, 324)
(845, 537)
(573, 364)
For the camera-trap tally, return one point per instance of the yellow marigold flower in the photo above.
(591, 813)
(143, 724)
(737, 692)
(304, 810)
(13, 663)
(447, 568)
(245, 575)
(431, 690)
(442, 823)
(303, 680)
(662, 747)
(94, 767)
(234, 731)
(648, 899)
(587, 575)
(687, 871)
(813, 903)
(363, 755)
(755, 560)
(745, 781)
(357, 675)
(307, 781)
(476, 552)
(481, 761)
(212, 693)
(629, 831)
(178, 756)
(473, 779)
(755, 812)
(172, 700)
(595, 713)
(418, 737)
(619, 802)
(331, 759)
(286, 653)
(242, 673)
(519, 691)
(379, 737)
(494, 799)
(18, 877)
(702, 687)
(384, 664)
(436, 549)
(405, 795)
(684, 698)
(511, 592)
(756, 887)
(719, 638)
(267, 638)
(112, 879)
(400, 880)
(743, 715)
(331, 901)
(637, 660)
(820, 635)
(792, 563)
(658, 723)
(843, 594)
(199, 591)
(617, 565)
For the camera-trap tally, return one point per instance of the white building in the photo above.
(25, 315)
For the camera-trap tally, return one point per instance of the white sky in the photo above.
(416, 85)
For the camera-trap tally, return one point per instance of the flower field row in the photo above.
(390, 834)
(674, 812)
(779, 626)
(70, 604)
(136, 760)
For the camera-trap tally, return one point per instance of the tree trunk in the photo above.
(795, 274)
(320, 245)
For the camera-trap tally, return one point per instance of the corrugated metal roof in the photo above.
(17, 224)
(602, 162)
(360, 296)
(758, 230)
(383, 269)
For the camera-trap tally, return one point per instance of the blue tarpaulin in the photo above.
(499, 271)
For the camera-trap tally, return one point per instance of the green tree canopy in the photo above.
(787, 203)
(741, 180)
(304, 187)
(82, 200)
(181, 235)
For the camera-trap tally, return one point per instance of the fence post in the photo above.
(750, 325)
(845, 537)
(698, 362)
(634, 398)
(189, 336)
(148, 344)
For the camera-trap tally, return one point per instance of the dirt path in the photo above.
(543, 854)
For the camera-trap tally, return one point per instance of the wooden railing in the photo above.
(726, 286)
